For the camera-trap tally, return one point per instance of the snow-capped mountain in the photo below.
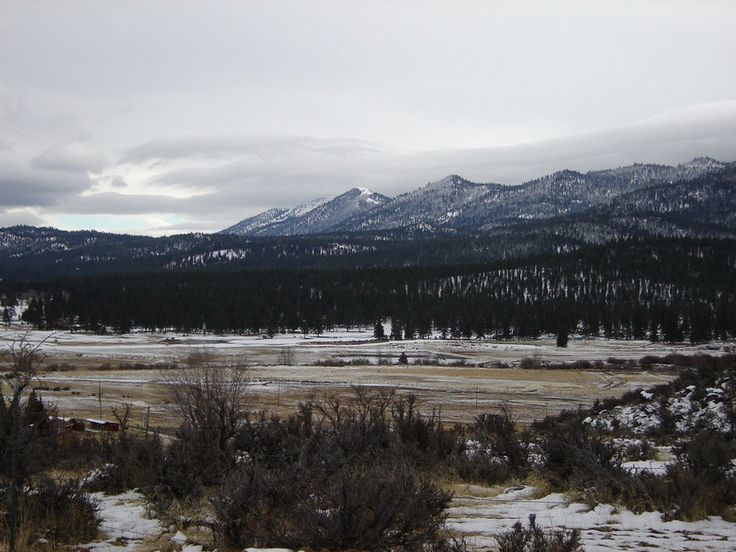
(457, 203)
(568, 192)
(313, 218)
(252, 225)
(436, 204)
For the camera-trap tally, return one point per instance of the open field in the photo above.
(457, 377)
(460, 378)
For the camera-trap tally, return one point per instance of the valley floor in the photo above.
(457, 377)
(460, 378)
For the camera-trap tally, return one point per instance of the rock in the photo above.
(180, 538)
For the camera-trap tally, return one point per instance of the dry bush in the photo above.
(534, 539)
(126, 462)
(331, 362)
(499, 453)
(57, 511)
(360, 505)
(211, 401)
(337, 475)
(575, 456)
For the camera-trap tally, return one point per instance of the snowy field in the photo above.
(475, 516)
(356, 342)
(604, 528)
(459, 377)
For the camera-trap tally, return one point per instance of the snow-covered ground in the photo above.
(343, 344)
(689, 408)
(604, 528)
(124, 523)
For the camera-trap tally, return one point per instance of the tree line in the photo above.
(667, 290)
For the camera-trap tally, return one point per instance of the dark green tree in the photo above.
(378, 331)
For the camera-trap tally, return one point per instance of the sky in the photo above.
(168, 117)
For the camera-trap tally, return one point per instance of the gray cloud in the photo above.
(24, 186)
(260, 146)
(118, 182)
(73, 157)
(13, 218)
(113, 203)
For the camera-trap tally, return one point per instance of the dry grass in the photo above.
(461, 393)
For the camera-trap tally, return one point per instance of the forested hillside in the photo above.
(670, 289)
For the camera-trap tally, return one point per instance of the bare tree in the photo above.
(122, 415)
(210, 397)
(25, 359)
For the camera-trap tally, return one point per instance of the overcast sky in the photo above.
(160, 118)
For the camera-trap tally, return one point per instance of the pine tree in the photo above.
(378, 332)
(409, 331)
(562, 337)
(653, 331)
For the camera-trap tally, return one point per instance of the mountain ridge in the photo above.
(632, 203)
(457, 203)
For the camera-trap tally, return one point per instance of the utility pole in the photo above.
(148, 417)
(99, 396)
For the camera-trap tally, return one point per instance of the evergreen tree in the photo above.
(653, 331)
(378, 332)
(562, 337)
(409, 330)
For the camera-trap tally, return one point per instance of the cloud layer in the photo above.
(190, 117)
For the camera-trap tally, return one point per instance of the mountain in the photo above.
(449, 222)
(313, 218)
(455, 203)
(252, 225)
(567, 192)
(436, 204)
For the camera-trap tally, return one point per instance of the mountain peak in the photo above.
(449, 181)
(703, 162)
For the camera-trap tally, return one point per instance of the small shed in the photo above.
(102, 425)
(58, 425)
(75, 424)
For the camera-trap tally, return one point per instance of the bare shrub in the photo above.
(20, 438)
(575, 456)
(331, 362)
(701, 477)
(211, 399)
(128, 462)
(364, 506)
(339, 474)
(423, 438)
(534, 539)
(63, 367)
(531, 363)
(499, 451)
(211, 402)
(57, 511)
